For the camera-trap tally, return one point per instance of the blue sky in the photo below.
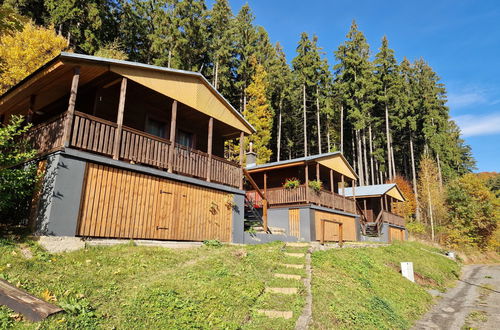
(460, 39)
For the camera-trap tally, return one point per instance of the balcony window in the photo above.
(185, 139)
(156, 127)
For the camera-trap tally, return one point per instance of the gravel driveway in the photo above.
(473, 303)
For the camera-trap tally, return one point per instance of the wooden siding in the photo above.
(396, 234)
(331, 229)
(294, 222)
(124, 204)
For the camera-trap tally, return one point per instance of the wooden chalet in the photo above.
(131, 150)
(375, 205)
(305, 212)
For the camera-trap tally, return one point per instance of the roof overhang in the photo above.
(396, 193)
(190, 88)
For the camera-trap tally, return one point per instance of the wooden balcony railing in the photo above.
(300, 195)
(48, 136)
(93, 134)
(392, 218)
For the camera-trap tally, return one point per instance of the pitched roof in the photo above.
(390, 189)
(334, 160)
(190, 88)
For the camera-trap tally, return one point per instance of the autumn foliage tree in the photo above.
(474, 212)
(259, 113)
(405, 209)
(24, 51)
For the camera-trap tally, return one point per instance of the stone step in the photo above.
(297, 244)
(288, 276)
(293, 266)
(276, 314)
(297, 255)
(282, 290)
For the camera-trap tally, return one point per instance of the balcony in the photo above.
(304, 195)
(96, 135)
(393, 219)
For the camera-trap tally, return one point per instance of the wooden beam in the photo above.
(317, 172)
(242, 150)
(31, 109)
(173, 123)
(343, 191)
(209, 147)
(119, 119)
(32, 308)
(364, 207)
(264, 203)
(306, 173)
(332, 188)
(71, 106)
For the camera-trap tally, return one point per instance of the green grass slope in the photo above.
(363, 289)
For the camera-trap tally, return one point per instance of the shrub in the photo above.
(17, 178)
(292, 183)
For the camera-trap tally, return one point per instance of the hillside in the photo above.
(220, 286)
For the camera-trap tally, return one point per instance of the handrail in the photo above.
(264, 199)
(94, 118)
(148, 135)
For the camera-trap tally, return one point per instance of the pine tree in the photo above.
(246, 44)
(355, 79)
(259, 113)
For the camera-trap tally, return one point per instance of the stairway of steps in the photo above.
(294, 273)
(371, 229)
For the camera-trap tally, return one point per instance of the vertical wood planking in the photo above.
(294, 222)
(124, 204)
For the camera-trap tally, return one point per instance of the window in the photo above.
(185, 139)
(156, 127)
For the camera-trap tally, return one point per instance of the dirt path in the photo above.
(473, 303)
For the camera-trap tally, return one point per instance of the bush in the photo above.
(17, 178)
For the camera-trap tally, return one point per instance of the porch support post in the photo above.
(385, 202)
(242, 147)
(332, 188)
(306, 171)
(364, 206)
(264, 206)
(209, 147)
(119, 119)
(381, 204)
(173, 123)
(343, 191)
(317, 172)
(71, 106)
(31, 110)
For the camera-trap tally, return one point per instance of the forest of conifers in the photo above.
(383, 114)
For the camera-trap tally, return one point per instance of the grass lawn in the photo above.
(142, 287)
(363, 289)
(127, 286)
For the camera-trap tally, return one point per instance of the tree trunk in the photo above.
(328, 139)
(305, 118)
(319, 123)
(353, 153)
(360, 159)
(278, 153)
(439, 172)
(387, 134)
(365, 158)
(342, 128)
(372, 174)
(392, 159)
(169, 58)
(216, 75)
(430, 210)
(414, 179)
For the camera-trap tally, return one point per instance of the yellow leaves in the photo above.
(48, 296)
(23, 52)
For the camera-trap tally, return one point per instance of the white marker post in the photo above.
(407, 270)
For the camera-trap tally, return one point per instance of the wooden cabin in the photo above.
(375, 205)
(131, 150)
(307, 211)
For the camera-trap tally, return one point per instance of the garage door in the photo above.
(124, 204)
(332, 229)
(396, 234)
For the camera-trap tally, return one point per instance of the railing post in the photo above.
(119, 119)
(71, 106)
(242, 146)
(173, 122)
(343, 192)
(209, 147)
